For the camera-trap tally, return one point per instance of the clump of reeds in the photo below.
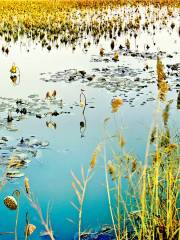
(150, 204)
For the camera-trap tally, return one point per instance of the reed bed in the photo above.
(150, 207)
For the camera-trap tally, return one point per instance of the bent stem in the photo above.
(17, 213)
(82, 201)
(108, 193)
(38, 209)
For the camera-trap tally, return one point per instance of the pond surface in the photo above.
(60, 144)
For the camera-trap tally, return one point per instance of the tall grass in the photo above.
(153, 193)
(150, 209)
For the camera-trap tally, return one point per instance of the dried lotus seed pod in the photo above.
(10, 202)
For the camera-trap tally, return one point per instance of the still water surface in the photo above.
(50, 171)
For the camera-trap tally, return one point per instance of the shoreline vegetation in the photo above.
(151, 207)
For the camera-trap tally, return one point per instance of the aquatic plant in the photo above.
(153, 188)
(15, 74)
(11, 203)
(51, 95)
(30, 228)
(151, 207)
(101, 52)
(83, 101)
(51, 23)
(163, 86)
(80, 186)
(116, 57)
(116, 103)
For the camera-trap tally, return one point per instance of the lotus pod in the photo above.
(101, 52)
(10, 202)
(116, 56)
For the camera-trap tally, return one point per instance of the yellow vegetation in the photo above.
(116, 103)
(163, 86)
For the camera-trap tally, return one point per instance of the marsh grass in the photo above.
(80, 186)
(151, 208)
(46, 223)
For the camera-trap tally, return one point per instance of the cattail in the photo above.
(121, 141)
(153, 135)
(94, 156)
(93, 160)
(27, 186)
(134, 165)
(111, 169)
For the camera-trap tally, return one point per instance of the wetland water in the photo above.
(57, 144)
